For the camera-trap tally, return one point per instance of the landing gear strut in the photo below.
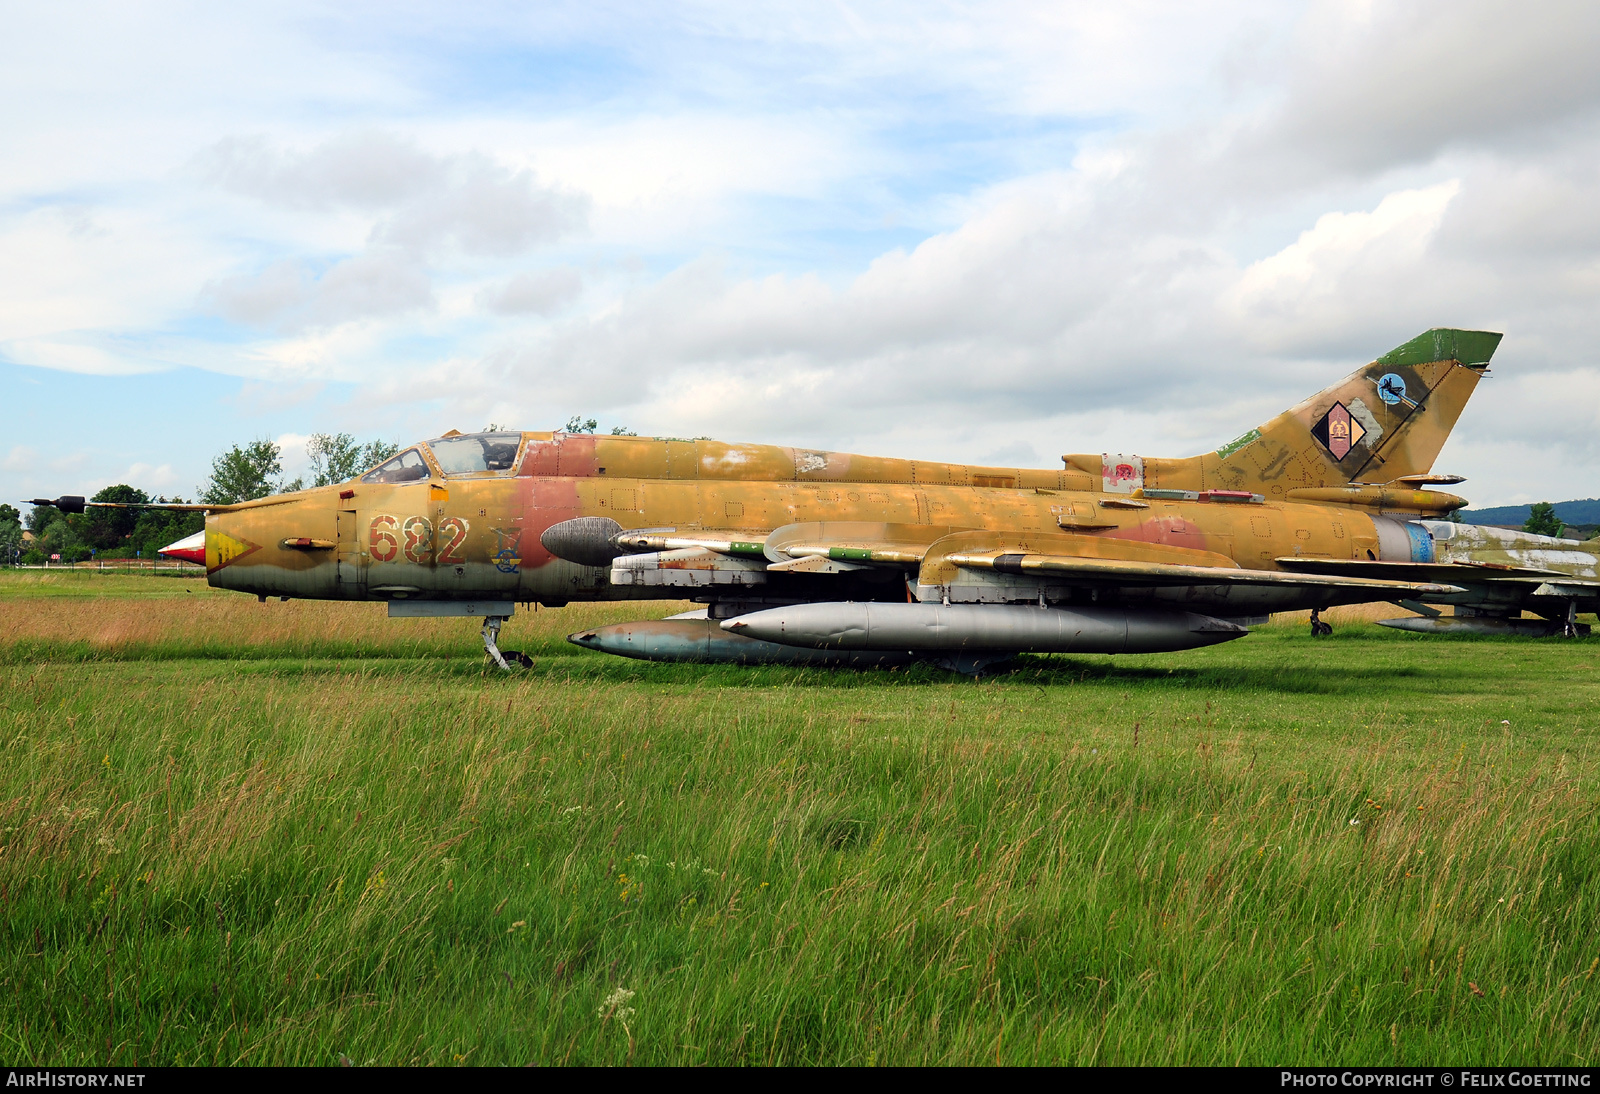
(1569, 629)
(491, 640)
(1319, 629)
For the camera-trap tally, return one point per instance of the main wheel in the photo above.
(519, 657)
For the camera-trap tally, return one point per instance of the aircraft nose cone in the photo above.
(189, 548)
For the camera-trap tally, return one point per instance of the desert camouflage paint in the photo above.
(1334, 477)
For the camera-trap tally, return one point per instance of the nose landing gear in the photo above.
(1319, 629)
(491, 645)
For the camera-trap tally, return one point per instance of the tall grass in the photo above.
(88, 616)
(1371, 849)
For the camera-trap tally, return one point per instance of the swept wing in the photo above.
(940, 557)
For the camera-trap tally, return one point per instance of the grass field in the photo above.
(299, 833)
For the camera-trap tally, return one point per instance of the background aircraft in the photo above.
(1498, 574)
(828, 557)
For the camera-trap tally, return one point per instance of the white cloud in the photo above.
(71, 461)
(467, 201)
(369, 170)
(21, 458)
(1372, 85)
(88, 360)
(292, 454)
(380, 282)
(150, 477)
(72, 266)
(1347, 267)
(423, 209)
(344, 352)
(533, 292)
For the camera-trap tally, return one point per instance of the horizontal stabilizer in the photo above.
(1447, 572)
(1126, 572)
(1097, 560)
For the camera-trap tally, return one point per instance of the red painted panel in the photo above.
(577, 457)
(546, 501)
(1174, 531)
(540, 458)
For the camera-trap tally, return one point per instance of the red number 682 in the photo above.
(381, 538)
(419, 538)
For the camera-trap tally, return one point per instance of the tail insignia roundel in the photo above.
(1338, 431)
(1392, 390)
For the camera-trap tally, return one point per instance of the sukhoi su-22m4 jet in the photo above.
(813, 557)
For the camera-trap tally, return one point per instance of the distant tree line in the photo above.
(579, 424)
(102, 533)
(336, 457)
(251, 471)
(242, 473)
(1542, 521)
(11, 542)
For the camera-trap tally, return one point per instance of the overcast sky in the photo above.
(984, 232)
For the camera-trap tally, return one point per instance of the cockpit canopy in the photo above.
(409, 466)
(475, 452)
(462, 454)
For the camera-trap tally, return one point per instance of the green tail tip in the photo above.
(1472, 348)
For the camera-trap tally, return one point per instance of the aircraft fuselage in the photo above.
(476, 535)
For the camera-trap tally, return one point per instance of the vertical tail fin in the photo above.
(1385, 421)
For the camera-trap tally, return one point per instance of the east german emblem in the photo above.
(1338, 431)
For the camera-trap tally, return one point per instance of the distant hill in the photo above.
(1583, 511)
